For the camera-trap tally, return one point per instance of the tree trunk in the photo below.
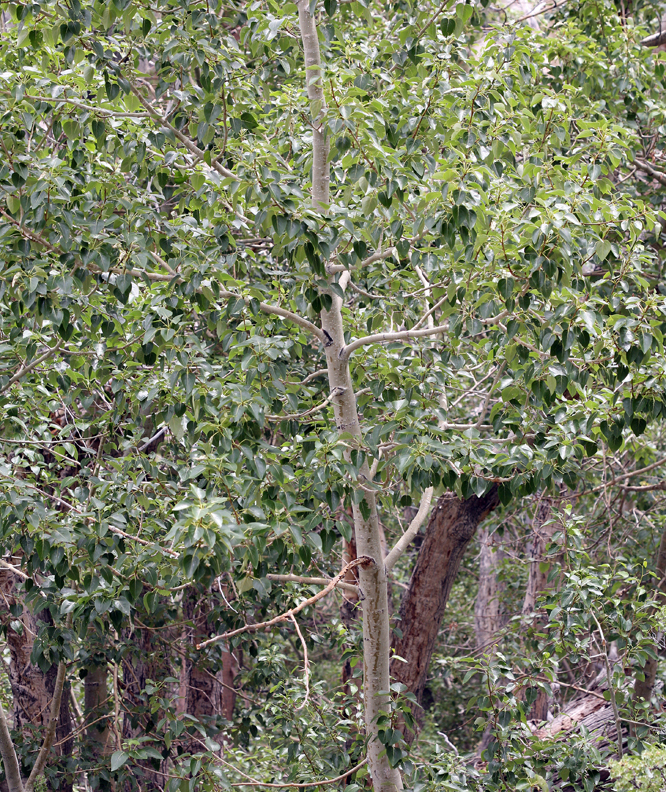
(488, 614)
(96, 706)
(643, 687)
(450, 529)
(368, 534)
(32, 689)
(206, 693)
(537, 582)
(145, 662)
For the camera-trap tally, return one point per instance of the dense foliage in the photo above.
(168, 433)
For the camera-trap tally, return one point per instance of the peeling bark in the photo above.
(450, 529)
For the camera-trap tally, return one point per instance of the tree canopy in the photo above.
(292, 296)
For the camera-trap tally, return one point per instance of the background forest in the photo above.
(332, 395)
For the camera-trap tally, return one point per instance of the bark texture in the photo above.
(205, 693)
(145, 662)
(450, 529)
(96, 707)
(32, 689)
(488, 615)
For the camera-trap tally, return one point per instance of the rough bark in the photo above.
(450, 529)
(349, 607)
(145, 662)
(488, 616)
(96, 706)
(643, 687)
(32, 689)
(542, 533)
(205, 693)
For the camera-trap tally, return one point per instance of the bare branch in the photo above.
(335, 780)
(386, 338)
(335, 392)
(49, 736)
(314, 375)
(378, 256)
(8, 754)
(660, 176)
(403, 543)
(500, 371)
(30, 366)
(189, 145)
(306, 664)
(360, 561)
(655, 39)
(315, 581)
(14, 569)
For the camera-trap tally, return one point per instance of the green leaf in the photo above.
(118, 759)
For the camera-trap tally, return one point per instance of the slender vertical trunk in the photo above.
(537, 582)
(643, 687)
(542, 532)
(488, 606)
(372, 578)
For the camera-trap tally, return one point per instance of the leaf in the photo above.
(603, 248)
(118, 759)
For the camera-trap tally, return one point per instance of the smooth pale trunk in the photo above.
(372, 578)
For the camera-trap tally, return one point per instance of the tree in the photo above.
(264, 266)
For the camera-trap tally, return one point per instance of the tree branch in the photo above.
(379, 256)
(645, 166)
(360, 561)
(655, 39)
(315, 581)
(403, 543)
(49, 737)
(386, 338)
(335, 392)
(8, 754)
(30, 366)
(189, 145)
(14, 569)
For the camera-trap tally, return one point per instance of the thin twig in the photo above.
(306, 664)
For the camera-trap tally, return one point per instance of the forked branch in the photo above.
(360, 561)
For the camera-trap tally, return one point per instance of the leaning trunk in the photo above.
(32, 688)
(450, 529)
